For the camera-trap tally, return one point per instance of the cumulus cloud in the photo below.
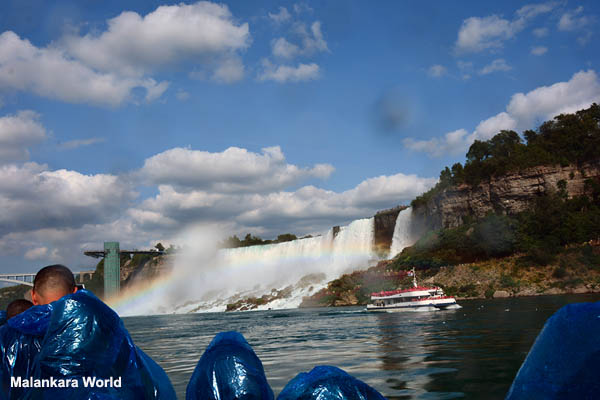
(107, 67)
(281, 16)
(481, 33)
(33, 197)
(573, 20)
(42, 253)
(540, 32)
(74, 144)
(437, 71)
(496, 65)
(311, 41)
(49, 72)
(579, 92)
(286, 73)
(134, 44)
(539, 50)
(284, 49)
(17, 133)
(302, 7)
(233, 170)
(243, 190)
(523, 110)
(308, 209)
(478, 34)
(182, 95)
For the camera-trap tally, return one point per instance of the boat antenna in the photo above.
(414, 277)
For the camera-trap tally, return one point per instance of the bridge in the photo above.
(112, 268)
(27, 279)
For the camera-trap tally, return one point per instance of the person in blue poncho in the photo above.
(70, 336)
(16, 307)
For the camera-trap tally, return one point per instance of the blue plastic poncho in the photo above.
(82, 338)
(2, 317)
(564, 360)
(327, 383)
(20, 342)
(229, 369)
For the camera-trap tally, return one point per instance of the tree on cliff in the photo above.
(567, 139)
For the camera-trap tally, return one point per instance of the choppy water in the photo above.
(473, 352)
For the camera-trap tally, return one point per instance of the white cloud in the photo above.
(496, 65)
(182, 95)
(481, 33)
(533, 10)
(229, 70)
(539, 50)
(135, 44)
(74, 144)
(17, 133)
(49, 72)
(284, 49)
(33, 197)
(540, 32)
(42, 253)
(437, 71)
(573, 20)
(523, 110)
(452, 143)
(491, 126)
(106, 67)
(548, 101)
(466, 68)
(585, 38)
(311, 42)
(478, 34)
(302, 7)
(233, 170)
(308, 209)
(286, 73)
(282, 16)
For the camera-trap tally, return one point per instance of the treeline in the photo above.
(250, 240)
(540, 234)
(567, 139)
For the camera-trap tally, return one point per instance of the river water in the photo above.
(473, 352)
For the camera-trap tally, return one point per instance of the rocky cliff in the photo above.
(508, 194)
(385, 222)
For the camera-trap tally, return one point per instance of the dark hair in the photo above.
(54, 277)
(17, 307)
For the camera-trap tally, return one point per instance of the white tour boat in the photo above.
(417, 298)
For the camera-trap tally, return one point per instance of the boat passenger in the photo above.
(71, 335)
(17, 307)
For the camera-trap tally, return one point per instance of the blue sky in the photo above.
(132, 120)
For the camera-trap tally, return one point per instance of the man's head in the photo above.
(17, 307)
(51, 283)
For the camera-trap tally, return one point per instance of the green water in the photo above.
(472, 353)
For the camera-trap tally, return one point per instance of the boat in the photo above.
(417, 298)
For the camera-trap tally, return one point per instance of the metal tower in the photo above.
(112, 265)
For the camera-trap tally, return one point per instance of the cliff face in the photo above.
(509, 194)
(385, 222)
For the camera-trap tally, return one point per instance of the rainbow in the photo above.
(305, 256)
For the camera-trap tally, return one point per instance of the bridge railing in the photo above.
(27, 279)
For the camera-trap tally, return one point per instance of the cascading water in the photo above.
(293, 269)
(404, 232)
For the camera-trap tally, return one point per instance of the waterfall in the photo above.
(203, 281)
(404, 234)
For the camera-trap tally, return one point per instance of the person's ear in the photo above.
(34, 298)
(75, 289)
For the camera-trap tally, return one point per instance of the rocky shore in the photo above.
(575, 270)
